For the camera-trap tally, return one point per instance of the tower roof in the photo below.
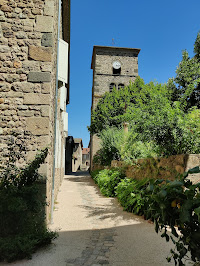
(112, 48)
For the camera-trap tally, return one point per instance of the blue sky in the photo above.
(161, 29)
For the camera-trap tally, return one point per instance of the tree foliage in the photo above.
(111, 109)
(186, 84)
(165, 115)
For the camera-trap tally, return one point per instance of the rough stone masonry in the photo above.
(28, 46)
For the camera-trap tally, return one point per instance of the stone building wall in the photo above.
(28, 54)
(102, 65)
(77, 155)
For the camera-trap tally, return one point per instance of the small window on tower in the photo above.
(112, 85)
(120, 86)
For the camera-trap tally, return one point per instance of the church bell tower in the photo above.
(112, 67)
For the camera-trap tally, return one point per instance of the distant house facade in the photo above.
(34, 87)
(112, 67)
(85, 158)
(77, 155)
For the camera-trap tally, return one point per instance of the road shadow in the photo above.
(130, 245)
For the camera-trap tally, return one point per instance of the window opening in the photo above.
(112, 85)
(116, 71)
(120, 86)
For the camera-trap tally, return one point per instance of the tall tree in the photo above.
(186, 84)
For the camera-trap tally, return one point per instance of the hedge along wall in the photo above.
(164, 168)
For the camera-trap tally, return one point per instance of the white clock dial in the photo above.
(116, 65)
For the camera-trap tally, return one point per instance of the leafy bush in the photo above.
(170, 204)
(118, 145)
(176, 203)
(108, 179)
(111, 141)
(133, 148)
(131, 194)
(23, 246)
(22, 209)
(94, 174)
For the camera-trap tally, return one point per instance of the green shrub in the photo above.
(131, 194)
(94, 174)
(22, 209)
(170, 204)
(176, 204)
(23, 246)
(111, 141)
(107, 181)
(173, 204)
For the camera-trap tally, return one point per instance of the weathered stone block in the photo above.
(47, 40)
(8, 33)
(49, 8)
(43, 170)
(44, 24)
(28, 23)
(35, 107)
(49, 3)
(31, 155)
(36, 98)
(46, 67)
(2, 2)
(21, 35)
(22, 86)
(6, 8)
(43, 141)
(13, 94)
(26, 113)
(45, 110)
(40, 53)
(36, 11)
(22, 107)
(31, 66)
(38, 125)
(46, 88)
(193, 160)
(39, 77)
(4, 49)
(17, 64)
(34, 35)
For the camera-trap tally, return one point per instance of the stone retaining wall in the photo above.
(164, 168)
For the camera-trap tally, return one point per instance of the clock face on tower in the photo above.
(116, 65)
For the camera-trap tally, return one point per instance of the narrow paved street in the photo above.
(94, 230)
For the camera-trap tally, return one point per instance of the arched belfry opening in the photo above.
(112, 86)
(120, 86)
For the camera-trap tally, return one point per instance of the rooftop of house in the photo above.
(85, 150)
(78, 141)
